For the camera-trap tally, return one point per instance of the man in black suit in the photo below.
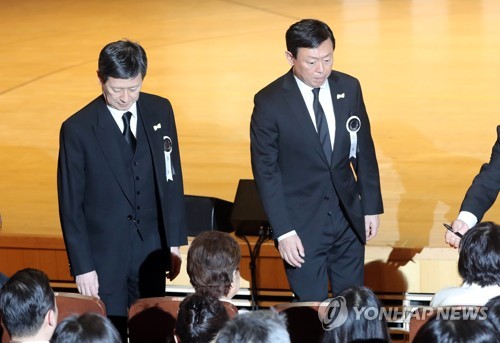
(120, 187)
(479, 197)
(315, 166)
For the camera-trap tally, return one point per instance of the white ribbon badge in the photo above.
(167, 149)
(353, 125)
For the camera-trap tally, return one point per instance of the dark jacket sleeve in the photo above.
(484, 189)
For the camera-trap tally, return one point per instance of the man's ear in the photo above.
(289, 58)
(51, 318)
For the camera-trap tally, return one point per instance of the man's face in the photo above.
(121, 93)
(313, 66)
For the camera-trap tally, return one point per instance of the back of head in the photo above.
(25, 299)
(212, 261)
(307, 33)
(86, 328)
(439, 330)
(493, 308)
(264, 326)
(3, 279)
(364, 318)
(200, 317)
(122, 60)
(479, 257)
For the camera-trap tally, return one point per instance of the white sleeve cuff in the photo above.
(468, 218)
(288, 234)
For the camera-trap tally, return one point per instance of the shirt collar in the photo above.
(118, 113)
(303, 87)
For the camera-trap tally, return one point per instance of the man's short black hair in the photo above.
(25, 299)
(479, 260)
(307, 33)
(122, 60)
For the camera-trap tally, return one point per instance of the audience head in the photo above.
(86, 328)
(307, 33)
(200, 317)
(3, 279)
(479, 256)
(213, 261)
(358, 326)
(28, 306)
(122, 60)
(264, 326)
(493, 308)
(463, 330)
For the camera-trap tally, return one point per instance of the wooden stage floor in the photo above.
(429, 72)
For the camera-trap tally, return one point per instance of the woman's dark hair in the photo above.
(212, 259)
(479, 256)
(460, 330)
(200, 318)
(358, 326)
(307, 33)
(122, 60)
(86, 328)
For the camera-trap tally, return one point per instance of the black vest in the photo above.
(140, 174)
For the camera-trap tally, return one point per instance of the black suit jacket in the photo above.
(291, 171)
(484, 189)
(95, 196)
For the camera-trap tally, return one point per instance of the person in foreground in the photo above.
(493, 308)
(28, 307)
(358, 327)
(121, 199)
(457, 330)
(478, 266)
(200, 318)
(315, 167)
(263, 326)
(479, 197)
(86, 328)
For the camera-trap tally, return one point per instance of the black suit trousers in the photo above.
(333, 254)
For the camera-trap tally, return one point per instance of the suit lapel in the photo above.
(340, 100)
(299, 109)
(106, 133)
(150, 120)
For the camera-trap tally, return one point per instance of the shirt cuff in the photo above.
(288, 234)
(468, 218)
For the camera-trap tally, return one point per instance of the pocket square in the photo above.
(157, 126)
(341, 96)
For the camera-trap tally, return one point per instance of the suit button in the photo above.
(129, 217)
(326, 197)
(138, 192)
(329, 213)
(135, 163)
(138, 221)
(138, 207)
(137, 177)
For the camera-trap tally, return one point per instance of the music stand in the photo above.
(249, 219)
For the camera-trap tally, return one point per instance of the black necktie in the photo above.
(127, 132)
(322, 126)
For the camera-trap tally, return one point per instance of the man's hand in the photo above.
(175, 263)
(457, 226)
(88, 284)
(372, 222)
(291, 250)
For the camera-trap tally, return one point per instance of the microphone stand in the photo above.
(265, 234)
